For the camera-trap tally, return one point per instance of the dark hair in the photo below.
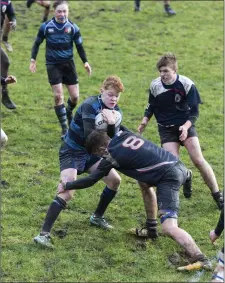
(168, 59)
(59, 2)
(95, 140)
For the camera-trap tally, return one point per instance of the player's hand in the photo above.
(183, 133)
(108, 116)
(61, 187)
(32, 67)
(141, 128)
(13, 25)
(88, 68)
(11, 79)
(212, 235)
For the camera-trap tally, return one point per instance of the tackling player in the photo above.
(147, 163)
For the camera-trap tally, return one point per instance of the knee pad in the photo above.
(167, 214)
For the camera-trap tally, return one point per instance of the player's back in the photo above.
(140, 158)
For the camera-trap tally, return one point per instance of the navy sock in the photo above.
(70, 105)
(54, 210)
(5, 38)
(60, 111)
(106, 197)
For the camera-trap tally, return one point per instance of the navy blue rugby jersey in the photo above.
(88, 110)
(173, 104)
(133, 156)
(139, 158)
(59, 41)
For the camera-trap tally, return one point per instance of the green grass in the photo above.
(117, 41)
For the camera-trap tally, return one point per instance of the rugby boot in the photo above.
(202, 262)
(6, 100)
(148, 231)
(100, 222)
(44, 240)
(169, 10)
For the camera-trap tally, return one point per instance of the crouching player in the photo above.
(149, 164)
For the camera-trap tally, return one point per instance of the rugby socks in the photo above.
(60, 111)
(106, 197)
(5, 38)
(54, 210)
(151, 225)
(69, 110)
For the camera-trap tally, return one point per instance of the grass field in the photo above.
(117, 41)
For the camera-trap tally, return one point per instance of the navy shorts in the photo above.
(75, 158)
(168, 188)
(171, 134)
(64, 73)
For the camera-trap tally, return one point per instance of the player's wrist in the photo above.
(86, 64)
(32, 60)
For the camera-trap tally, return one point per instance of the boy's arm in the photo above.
(102, 170)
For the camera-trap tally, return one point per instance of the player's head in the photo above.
(110, 91)
(61, 10)
(97, 142)
(167, 66)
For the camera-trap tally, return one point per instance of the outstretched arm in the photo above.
(102, 170)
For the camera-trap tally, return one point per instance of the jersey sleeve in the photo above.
(39, 39)
(193, 96)
(149, 110)
(77, 38)
(3, 82)
(88, 117)
(102, 170)
(220, 225)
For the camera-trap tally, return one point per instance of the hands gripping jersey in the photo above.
(59, 41)
(173, 104)
(133, 156)
(84, 121)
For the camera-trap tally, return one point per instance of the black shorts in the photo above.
(62, 73)
(77, 159)
(171, 134)
(168, 188)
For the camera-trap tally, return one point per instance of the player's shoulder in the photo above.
(155, 83)
(75, 26)
(156, 86)
(91, 102)
(186, 82)
(46, 24)
(91, 99)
